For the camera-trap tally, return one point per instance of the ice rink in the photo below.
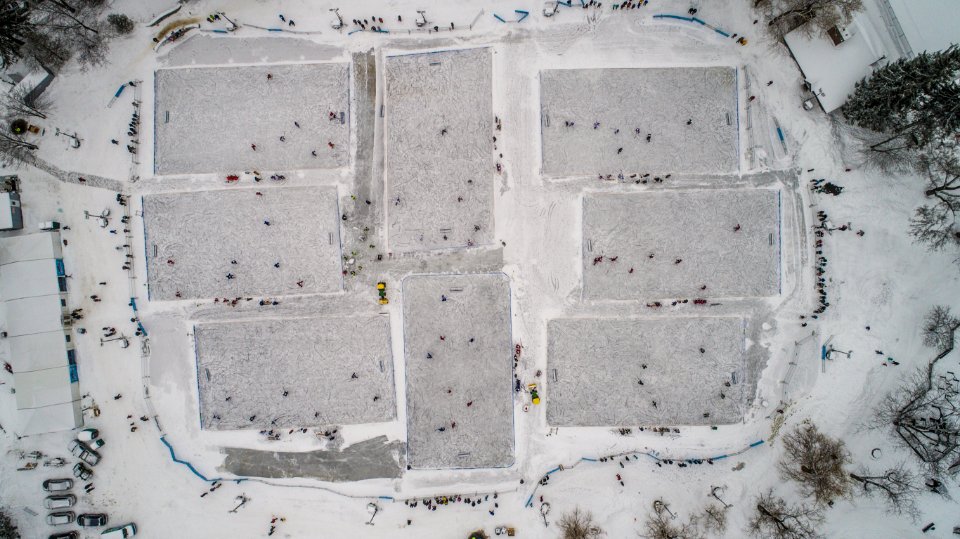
(194, 238)
(686, 244)
(596, 121)
(334, 371)
(457, 342)
(595, 368)
(439, 160)
(207, 118)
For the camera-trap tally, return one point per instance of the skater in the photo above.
(649, 136)
(253, 147)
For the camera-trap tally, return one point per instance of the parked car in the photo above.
(120, 532)
(60, 502)
(81, 472)
(88, 435)
(90, 520)
(95, 444)
(57, 485)
(65, 535)
(83, 452)
(61, 519)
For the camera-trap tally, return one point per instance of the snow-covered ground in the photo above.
(666, 371)
(291, 373)
(456, 333)
(439, 168)
(598, 121)
(688, 244)
(228, 119)
(881, 280)
(229, 243)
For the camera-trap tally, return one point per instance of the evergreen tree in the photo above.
(916, 102)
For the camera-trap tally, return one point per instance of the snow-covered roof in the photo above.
(38, 351)
(48, 401)
(38, 314)
(30, 247)
(28, 279)
(6, 216)
(928, 25)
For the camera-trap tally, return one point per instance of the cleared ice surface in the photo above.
(208, 117)
(655, 101)
(698, 228)
(595, 368)
(192, 239)
(439, 166)
(468, 378)
(314, 360)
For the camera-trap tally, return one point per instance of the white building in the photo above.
(11, 216)
(884, 31)
(40, 344)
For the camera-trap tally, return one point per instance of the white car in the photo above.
(60, 519)
(120, 532)
(59, 502)
(83, 452)
(88, 435)
(57, 485)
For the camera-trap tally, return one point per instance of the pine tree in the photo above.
(916, 102)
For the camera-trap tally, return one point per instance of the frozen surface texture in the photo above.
(207, 118)
(595, 368)
(464, 387)
(193, 238)
(628, 105)
(439, 129)
(650, 232)
(313, 360)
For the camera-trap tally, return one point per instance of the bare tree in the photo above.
(816, 461)
(924, 413)
(8, 529)
(935, 224)
(811, 16)
(897, 487)
(775, 519)
(19, 103)
(579, 524)
(16, 149)
(939, 327)
(714, 518)
(660, 526)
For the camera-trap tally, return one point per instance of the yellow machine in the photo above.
(382, 290)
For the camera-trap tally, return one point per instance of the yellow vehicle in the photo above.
(382, 290)
(534, 396)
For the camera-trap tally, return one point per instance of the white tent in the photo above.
(32, 287)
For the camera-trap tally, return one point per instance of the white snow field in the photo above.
(613, 110)
(334, 371)
(193, 238)
(458, 371)
(207, 118)
(727, 241)
(624, 372)
(438, 144)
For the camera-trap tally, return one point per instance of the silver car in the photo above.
(81, 472)
(83, 452)
(61, 519)
(57, 485)
(60, 502)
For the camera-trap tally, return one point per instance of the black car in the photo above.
(89, 520)
(65, 535)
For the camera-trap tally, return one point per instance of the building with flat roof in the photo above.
(33, 288)
(11, 216)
